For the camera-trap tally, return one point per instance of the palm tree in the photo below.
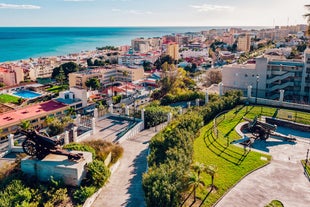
(70, 111)
(194, 182)
(210, 170)
(25, 125)
(198, 168)
(112, 80)
(125, 75)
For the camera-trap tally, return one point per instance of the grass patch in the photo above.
(6, 98)
(57, 89)
(232, 162)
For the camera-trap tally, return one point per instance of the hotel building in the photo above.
(271, 74)
(104, 74)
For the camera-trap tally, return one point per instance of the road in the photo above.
(125, 185)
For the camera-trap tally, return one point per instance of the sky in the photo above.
(152, 12)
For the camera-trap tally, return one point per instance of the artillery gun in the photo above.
(39, 145)
(260, 129)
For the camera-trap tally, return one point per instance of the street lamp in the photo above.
(257, 79)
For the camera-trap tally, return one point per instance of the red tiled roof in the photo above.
(29, 112)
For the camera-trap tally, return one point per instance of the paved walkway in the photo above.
(282, 179)
(125, 185)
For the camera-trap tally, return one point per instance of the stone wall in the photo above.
(289, 124)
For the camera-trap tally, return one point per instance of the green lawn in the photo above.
(232, 162)
(6, 98)
(57, 89)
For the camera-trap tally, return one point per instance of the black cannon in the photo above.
(260, 129)
(39, 145)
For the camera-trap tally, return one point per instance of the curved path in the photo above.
(125, 184)
(282, 179)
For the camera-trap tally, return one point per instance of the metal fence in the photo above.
(289, 96)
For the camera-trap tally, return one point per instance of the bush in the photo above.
(81, 194)
(187, 96)
(103, 148)
(97, 173)
(80, 147)
(171, 152)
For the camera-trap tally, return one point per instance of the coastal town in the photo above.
(168, 92)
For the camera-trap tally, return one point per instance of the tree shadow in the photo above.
(135, 191)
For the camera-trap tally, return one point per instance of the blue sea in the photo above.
(25, 42)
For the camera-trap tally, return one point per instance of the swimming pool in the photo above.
(27, 94)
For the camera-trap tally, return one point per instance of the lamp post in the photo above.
(257, 79)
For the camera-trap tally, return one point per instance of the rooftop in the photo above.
(29, 112)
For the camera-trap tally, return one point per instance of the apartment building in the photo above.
(272, 74)
(244, 43)
(173, 50)
(104, 74)
(11, 75)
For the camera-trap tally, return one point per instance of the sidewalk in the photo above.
(125, 184)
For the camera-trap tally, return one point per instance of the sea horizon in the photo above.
(24, 42)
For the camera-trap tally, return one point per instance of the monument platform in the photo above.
(58, 167)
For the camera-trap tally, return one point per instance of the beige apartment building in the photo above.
(173, 50)
(244, 43)
(12, 75)
(271, 74)
(104, 74)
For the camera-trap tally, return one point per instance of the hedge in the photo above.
(171, 152)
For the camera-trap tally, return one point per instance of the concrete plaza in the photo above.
(283, 179)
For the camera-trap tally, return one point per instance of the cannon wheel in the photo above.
(29, 147)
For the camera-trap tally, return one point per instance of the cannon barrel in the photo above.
(267, 126)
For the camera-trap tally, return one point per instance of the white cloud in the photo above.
(210, 7)
(116, 10)
(18, 6)
(138, 12)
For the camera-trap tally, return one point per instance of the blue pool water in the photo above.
(287, 131)
(26, 94)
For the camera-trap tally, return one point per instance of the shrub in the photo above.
(103, 148)
(97, 173)
(186, 96)
(171, 152)
(81, 194)
(80, 147)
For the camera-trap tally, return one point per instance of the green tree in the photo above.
(90, 62)
(210, 170)
(71, 111)
(93, 83)
(2, 84)
(125, 75)
(69, 67)
(61, 77)
(194, 182)
(25, 125)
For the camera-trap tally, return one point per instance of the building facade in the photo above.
(104, 74)
(270, 75)
(244, 43)
(173, 50)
